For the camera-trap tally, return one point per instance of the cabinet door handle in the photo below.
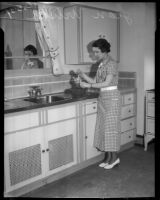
(131, 124)
(129, 136)
(43, 151)
(94, 107)
(129, 111)
(47, 149)
(129, 99)
(86, 137)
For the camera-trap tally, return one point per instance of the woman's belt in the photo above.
(109, 88)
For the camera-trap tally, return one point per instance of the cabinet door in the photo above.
(96, 23)
(83, 25)
(61, 146)
(91, 151)
(71, 40)
(23, 158)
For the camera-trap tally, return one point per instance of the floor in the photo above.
(134, 177)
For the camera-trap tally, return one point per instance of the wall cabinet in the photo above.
(85, 25)
(149, 118)
(34, 153)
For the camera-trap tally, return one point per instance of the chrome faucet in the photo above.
(35, 91)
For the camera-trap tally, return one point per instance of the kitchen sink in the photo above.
(47, 99)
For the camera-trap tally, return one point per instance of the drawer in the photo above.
(91, 107)
(150, 126)
(127, 124)
(62, 113)
(20, 122)
(150, 109)
(127, 111)
(150, 96)
(128, 136)
(129, 98)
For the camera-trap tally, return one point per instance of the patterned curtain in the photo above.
(48, 28)
(40, 35)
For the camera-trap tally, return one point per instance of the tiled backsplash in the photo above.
(17, 87)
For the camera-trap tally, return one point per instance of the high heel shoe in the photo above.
(110, 166)
(103, 164)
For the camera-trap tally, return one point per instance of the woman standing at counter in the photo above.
(107, 131)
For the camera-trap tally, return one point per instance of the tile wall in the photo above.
(17, 87)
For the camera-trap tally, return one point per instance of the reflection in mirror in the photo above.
(20, 38)
(96, 63)
(90, 52)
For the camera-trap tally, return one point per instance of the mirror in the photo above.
(18, 25)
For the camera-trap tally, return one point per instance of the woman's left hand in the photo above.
(84, 84)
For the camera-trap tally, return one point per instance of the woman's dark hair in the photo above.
(31, 48)
(102, 44)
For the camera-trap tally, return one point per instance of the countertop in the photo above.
(20, 104)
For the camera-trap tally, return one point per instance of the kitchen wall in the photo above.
(137, 28)
(149, 59)
(137, 51)
(137, 34)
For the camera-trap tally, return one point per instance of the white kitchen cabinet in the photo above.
(44, 144)
(89, 122)
(39, 148)
(60, 140)
(91, 151)
(85, 25)
(23, 155)
(128, 122)
(149, 118)
(128, 117)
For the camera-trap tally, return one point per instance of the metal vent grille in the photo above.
(25, 164)
(61, 151)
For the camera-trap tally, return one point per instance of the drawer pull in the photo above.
(86, 137)
(47, 149)
(43, 151)
(94, 107)
(129, 136)
(129, 111)
(129, 99)
(131, 124)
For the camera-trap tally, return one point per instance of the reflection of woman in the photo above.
(31, 63)
(107, 131)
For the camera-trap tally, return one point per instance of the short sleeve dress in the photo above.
(107, 130)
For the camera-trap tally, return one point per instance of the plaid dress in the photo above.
(107, 130)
